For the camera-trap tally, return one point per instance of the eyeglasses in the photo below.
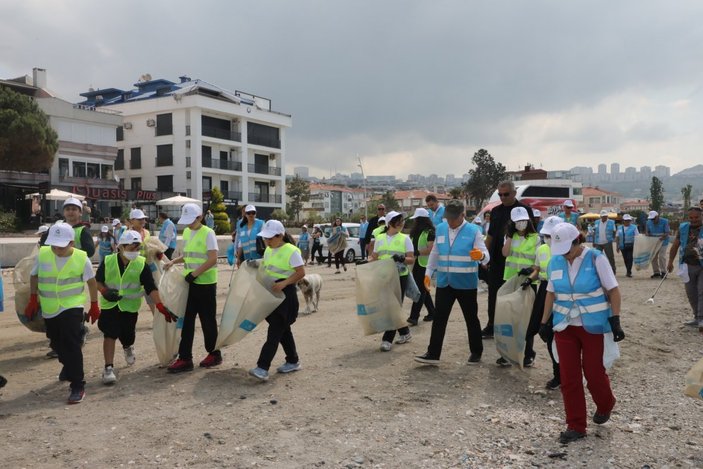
(503, 194)
(251, 213)
(381, 208)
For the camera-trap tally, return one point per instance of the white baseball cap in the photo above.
(381, 219)
(536, 213)
(42, 229)
(136, 214)
(272, 228)
(477, 220)
(116, 222)
(627, 217)
(420, 212)
(549, 224)
(73, 201)
(604, 213)
(563, 236)
(652, 215)
(189, 213)
(568, 203)
(104, 229)
(60, 235)
(249, 208)
(392, 214)
(130, 237)
(305, 226)
(518, 214)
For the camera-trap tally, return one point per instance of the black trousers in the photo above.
(445, 298)
(535, 319)
(425, 296)
(338, 259)
(627, 256)
(202, 301)
(316, 247)
(116, 324)
(280, 331)
(65, 332)
(389, 335)
(362, 246)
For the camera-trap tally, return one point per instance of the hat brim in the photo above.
(187, 220)
(59, 243)
(267, 234)
(559, 248)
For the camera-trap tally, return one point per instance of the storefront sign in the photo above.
(115, 194)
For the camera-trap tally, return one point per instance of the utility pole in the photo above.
(363, 178)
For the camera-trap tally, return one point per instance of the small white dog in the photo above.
(311, 285)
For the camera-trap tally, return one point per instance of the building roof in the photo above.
(330, 187)
(418, 194)
(595, 191)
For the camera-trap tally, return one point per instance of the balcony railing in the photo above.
(86, 181)
(263, 198)
(222, 164)
(264, 169)
(232, 195)
(264, 141)
(221, 133)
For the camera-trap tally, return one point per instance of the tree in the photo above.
(656, 194)
(27, 141)
(456, 192)
(387, 199)
(686, 192)
(218, 209)
(484, 177)
(298, 191)
(279, 215)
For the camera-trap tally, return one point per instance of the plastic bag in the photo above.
(694, 381)
(20, 279)
(378, 304)
(248, 303)
(411, 289)
(513, 310)
(230, 254)
(173, 290)
(644, 249)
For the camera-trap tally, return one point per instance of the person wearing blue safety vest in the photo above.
(583, 300)
(168, 234)
(283, 264)
(304, 244)
(625, 241)
(455, 256)
(568, 214)
(117, 229)
(435, 208)
(248, 232)
(658, 227)
(604, 235)
(363, 227)
(689, 246)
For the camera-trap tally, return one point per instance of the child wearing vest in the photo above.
(584, 301)
(105, 243)
(625, 241)
(283, 263)
(520, 251)
(57, 283)
(200, 258)
(122, 279)
(390, 243)
(422, 236)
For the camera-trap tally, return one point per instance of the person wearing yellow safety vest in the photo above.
(283, 263)
(544, 254)
(422, 236)
(390, 243)
(248, 231)
(380, 226)
(455, 256)
(57, 284)
(520, 250)
(122, 279)
(200, 258)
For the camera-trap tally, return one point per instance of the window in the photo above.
(93, 170)
(135, 160)
(106, 171)
(164, 155)
(265, 135)
(136, 184)
(207, 184)
(207, 156)
(119, 133)
(164, 124)
(224, 187)
(119, 161)
(63, 168)
(79, 170)
(164, 183)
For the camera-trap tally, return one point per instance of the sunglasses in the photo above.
(251, 213)
(381, 208)
(503, 194)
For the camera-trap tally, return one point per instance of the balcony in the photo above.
(264, 169)
(264, 198)
(86, 181)
(222, 164)
(232, 196)
(264, 141)
(221, 133)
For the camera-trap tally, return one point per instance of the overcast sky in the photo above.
(409, 86)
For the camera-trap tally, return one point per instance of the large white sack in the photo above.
(513, 310)
(20, 281)
(248, 303)
(644, 249)
(378, 305)
(173, 290)
(694, 381)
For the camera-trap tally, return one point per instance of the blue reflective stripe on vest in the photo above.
(454, 266)
(627, 235)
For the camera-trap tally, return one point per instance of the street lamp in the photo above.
(363, 178)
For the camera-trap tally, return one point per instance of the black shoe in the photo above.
(426, 359)
(428, 318)
(600, 419)
(487, 332)
(570, 435)
(503, 362)
(629, 274)
(474, 359)
(656, 275)
(52, 354)
(3, 381)
(411, 321)
(76, 396)
(553, 384)
(528, 362)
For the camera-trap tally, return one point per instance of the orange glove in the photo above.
(428, 282)
(32, 307)
(476, 254)
(94, 312)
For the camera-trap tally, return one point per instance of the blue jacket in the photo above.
(659, 229)
(626, 235)
(437, 216)
(609, 231)
(455, 267)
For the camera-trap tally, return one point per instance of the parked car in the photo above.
(353, 250)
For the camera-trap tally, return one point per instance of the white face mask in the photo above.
(521, 225)
(131, 255)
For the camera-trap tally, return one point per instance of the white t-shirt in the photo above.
(389, 239)
(210, 239)
(602, 236)
(605, 274)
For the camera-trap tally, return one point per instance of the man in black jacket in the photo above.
(373, 224)
(72, 211)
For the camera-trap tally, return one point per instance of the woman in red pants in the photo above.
(584, 300)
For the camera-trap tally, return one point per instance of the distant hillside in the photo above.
(696, 171)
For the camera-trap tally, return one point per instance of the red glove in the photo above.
(166, 312)
(94, 312)
(32, 307)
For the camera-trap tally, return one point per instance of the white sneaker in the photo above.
(404, 339)
(129, 356)
(386, 346)
(109, 376)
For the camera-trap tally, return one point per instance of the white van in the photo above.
(353, 250)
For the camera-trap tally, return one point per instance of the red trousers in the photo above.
(580, 350)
